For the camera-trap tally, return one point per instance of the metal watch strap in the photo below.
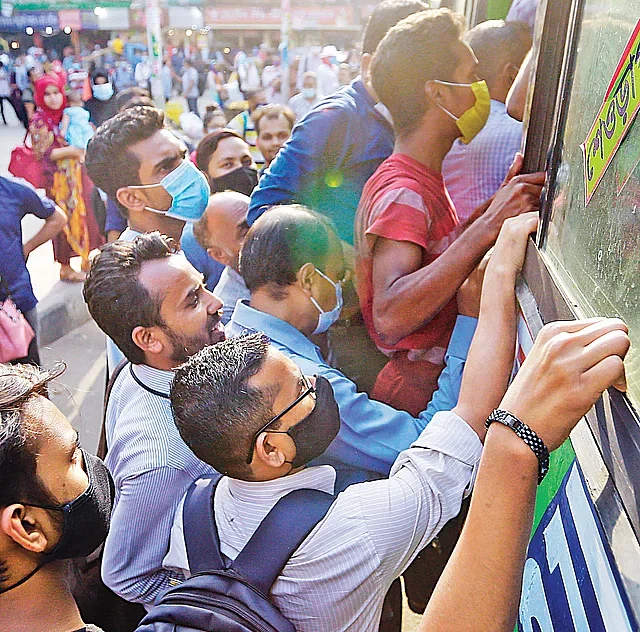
(527, 435)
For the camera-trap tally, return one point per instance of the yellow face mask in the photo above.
(475, 118)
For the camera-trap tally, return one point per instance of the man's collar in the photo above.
(320, 477)
(153, 380)
(247, 318)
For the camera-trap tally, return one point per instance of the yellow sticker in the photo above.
(619, 108)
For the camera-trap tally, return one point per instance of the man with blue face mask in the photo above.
(293, 264)
(143, 167)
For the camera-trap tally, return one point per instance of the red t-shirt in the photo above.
(406, 201)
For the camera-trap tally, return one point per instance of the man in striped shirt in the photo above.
(152, 303)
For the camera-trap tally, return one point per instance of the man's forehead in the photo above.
(160, 276)
(159, 145)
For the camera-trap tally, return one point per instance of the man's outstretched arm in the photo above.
(569, 366)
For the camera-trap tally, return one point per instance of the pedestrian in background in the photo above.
(67, 183)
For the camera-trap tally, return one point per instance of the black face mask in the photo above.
(241, 180)
(86, 518)
(313, 434)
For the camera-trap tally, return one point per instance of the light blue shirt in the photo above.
(372, 434)
(473, 173)
(152, 468)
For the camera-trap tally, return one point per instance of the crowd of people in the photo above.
(307, 305)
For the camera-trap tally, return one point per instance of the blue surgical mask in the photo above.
(309, 93)
(188, 187)
(326, 319)
(102, 91)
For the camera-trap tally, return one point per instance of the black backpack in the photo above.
(234, 597)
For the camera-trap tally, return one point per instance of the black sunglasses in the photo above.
(309, 390)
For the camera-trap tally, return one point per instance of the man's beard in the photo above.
(183, 347)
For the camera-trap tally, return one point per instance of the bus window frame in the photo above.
(614, 424)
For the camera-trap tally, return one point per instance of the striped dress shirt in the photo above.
(152, 468)
(338, 577)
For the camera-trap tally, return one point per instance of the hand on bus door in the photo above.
(511, 245)
(519, 194)
(568, 368)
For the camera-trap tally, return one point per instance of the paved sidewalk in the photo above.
(61, 307)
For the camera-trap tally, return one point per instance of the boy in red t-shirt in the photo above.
(411, 253)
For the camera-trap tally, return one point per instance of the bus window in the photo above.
(594, 249)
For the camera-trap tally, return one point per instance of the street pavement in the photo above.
(79, 391)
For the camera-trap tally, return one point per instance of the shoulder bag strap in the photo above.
(102, 441)
(279, 535)
(199, 526)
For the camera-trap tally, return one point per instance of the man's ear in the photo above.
(305, 276)
(132, 199)
(21, 524)
(150, 339)
(269, 450)
(510, 72)
(219, 255)
(365, 67)
(435, 92)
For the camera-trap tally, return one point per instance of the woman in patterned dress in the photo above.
(67, 182)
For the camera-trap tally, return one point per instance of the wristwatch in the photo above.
(527, 435)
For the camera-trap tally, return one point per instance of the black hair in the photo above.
(128, 94)
(116, 299)
(208, 145)
(21, 437)
(212, 110)
(215, 409)
(496, 43)
(386, 15)
(280, 242)
(416, 50)
(109, 160)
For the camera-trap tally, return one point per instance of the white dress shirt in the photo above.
(338, 578)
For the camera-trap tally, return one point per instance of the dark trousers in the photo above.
(8, 100)
(192, 102)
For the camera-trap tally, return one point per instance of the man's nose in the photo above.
(215, 304)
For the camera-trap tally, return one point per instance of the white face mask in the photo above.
(326, 319)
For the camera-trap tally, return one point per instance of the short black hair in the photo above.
(208, 145)
(128, 94)
(117, 301)
(109, 161)
(386, 15)
(416, 50)
(496, 43)
(21, 437)
(215, 410)
(280, 242)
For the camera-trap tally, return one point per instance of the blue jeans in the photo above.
(193, 105)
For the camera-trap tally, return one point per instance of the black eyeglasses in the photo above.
(309, 390)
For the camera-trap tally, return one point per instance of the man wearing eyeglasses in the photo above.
(250, 412)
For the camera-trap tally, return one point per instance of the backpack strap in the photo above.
(102, 441)
(279, 535)
(199, 526)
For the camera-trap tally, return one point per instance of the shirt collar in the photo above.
(320, 477)
(154, 379)
(279, 331)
